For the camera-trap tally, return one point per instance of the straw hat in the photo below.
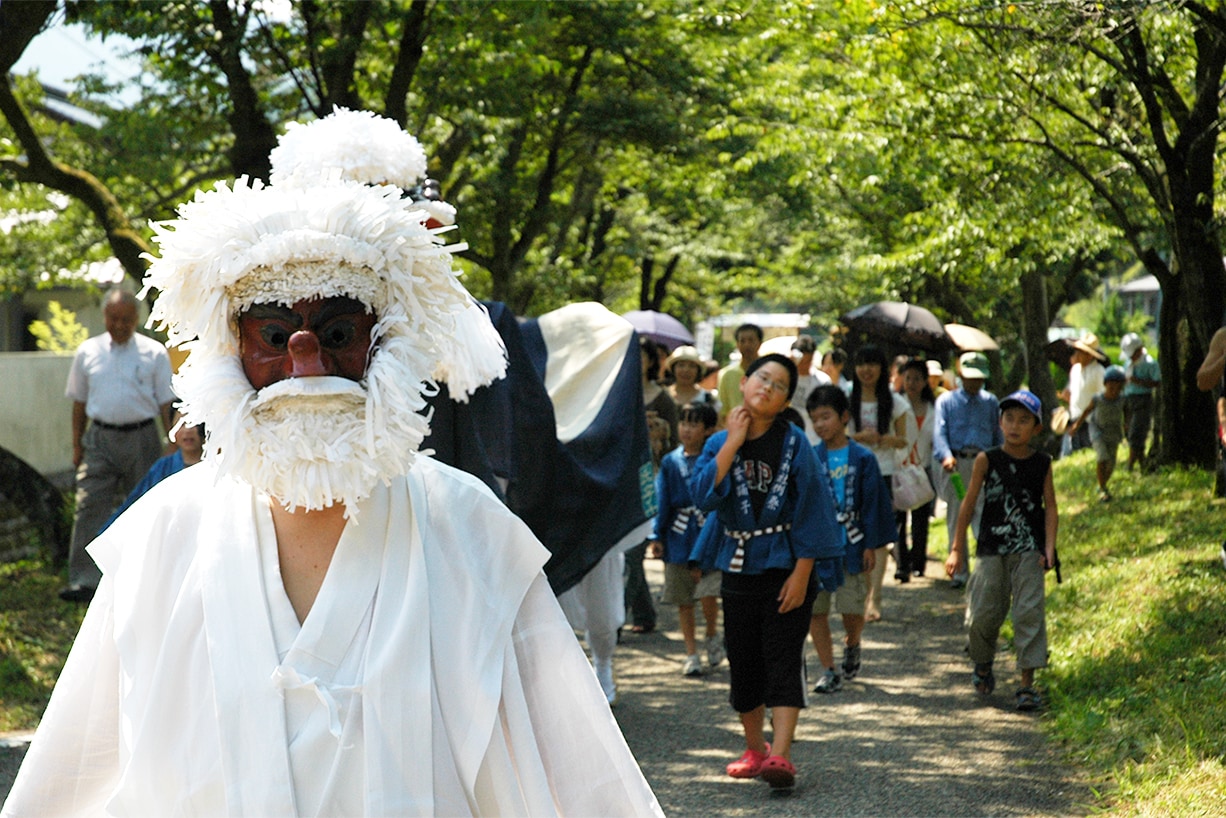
(1089, 343)
(1059, 420)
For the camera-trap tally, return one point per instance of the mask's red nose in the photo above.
(304, 350)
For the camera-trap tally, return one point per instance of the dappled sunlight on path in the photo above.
(909, 736)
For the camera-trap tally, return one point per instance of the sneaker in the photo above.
(604, 674)
(715, 652)
(1223, 555)
(692, 666)
(1104, 496)
(851, 662)
(829, 682)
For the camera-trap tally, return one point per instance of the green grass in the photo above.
(1137, 632)
(36, 631)
(1137, 636)
(1138, 668)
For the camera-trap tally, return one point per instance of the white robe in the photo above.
(434, 675)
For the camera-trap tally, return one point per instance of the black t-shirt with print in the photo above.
(760, 459)
(1014, 516)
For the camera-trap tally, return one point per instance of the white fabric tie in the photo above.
(287, 678)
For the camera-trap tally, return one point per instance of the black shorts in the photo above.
(766, 649)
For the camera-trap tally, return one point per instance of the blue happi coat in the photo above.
(866, 502)
(679, 521)
(797, 503)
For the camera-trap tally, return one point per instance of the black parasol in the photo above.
(900, 323)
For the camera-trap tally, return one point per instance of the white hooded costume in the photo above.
(434, 673)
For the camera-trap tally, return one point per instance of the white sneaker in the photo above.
(604, 674)
(715, 652)
(828, 683)
(692, 666)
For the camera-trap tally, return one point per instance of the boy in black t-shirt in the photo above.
(1017, 543)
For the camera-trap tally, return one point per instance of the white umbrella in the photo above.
(970, 339)
(781, 344)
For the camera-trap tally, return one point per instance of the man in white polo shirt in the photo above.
(119, 383)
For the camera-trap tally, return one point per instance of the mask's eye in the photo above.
(337, 334)
(275, 335)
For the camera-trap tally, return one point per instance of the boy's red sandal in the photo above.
(749, 764)
(778, 772)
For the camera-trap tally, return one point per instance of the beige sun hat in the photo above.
(1089, 343)
(684, 353)
(1059, 420)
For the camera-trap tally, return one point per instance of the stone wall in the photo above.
(35, 417)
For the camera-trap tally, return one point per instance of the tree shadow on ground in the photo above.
(908, 737)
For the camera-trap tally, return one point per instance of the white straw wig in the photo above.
(364, 146)
(234, 247)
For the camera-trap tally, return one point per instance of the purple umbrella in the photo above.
(659, 327)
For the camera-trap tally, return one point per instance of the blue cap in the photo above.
(1025, 399)
(1115, 373)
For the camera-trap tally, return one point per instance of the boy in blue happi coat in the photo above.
(862, 503)
(775, 539)
(676, 531)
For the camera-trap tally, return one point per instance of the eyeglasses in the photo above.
(768, 381)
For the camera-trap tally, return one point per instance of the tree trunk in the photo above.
(254, 136)
(408, 57)
(39, 167)
(1034, 336)
(1198, 291)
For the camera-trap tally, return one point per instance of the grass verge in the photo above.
(36, 631)
(1138, 662)
(1137, 639)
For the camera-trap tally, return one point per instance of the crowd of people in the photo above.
(787, 458)
(319, 326)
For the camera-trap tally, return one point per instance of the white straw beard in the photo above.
(311, 442)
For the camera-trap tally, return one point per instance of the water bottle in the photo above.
(959, 486)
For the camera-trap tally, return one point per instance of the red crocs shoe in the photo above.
(748, 765)
(778, 772)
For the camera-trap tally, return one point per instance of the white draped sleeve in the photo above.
(558, 737)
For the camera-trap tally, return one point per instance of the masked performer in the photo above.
(319, 619)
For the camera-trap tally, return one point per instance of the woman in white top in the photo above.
(885, 434)
(921, 421)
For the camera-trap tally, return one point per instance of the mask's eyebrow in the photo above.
(341, 305)
(273, 311)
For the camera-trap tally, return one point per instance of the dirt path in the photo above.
(909, 737)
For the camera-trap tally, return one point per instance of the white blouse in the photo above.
(887, 458)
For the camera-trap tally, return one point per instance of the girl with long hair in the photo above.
(878, 421)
